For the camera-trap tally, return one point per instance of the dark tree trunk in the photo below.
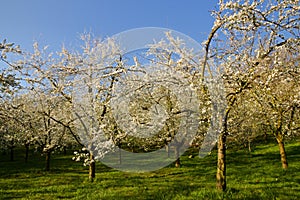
(12, 153)
(65, 150)
(221, 165)
(266, 136)
(26, 152)
(12, 148)
(48, 155)
(92, 168)
(282, 152)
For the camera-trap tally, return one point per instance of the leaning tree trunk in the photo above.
(221, 165)
(48, 155)
(92, 168)
(283, 157)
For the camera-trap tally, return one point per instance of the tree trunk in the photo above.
(282, 152)
(266, 136)
(11, 153)
(48, 154)
(249, 146)
(177, 162)
(221, 165)
(92, 168)
(26, 152)
(168, 149)
(65, 150)
(120, 156)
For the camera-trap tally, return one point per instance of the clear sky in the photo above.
(55, 22)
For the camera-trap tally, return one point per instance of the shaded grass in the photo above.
(250, 176)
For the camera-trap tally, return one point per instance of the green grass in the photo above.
(255, 176)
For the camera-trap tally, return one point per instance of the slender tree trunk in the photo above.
(282, 152)
(221, 165)
(26, 152)
(12, 148)
(65, 150)
(168, 149)
(120, 156)
(12, 153)
(266, 136)
(177, 162)
(48, 155)
(249, 146)
(92, 168)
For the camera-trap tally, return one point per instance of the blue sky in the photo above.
(55, 22)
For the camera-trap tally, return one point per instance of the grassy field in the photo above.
(255, 176)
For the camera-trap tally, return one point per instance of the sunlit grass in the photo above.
(250, 176)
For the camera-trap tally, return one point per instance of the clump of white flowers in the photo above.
(99, 149)
(84, 155)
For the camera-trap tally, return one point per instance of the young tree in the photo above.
(277, 92)
(97, 68)
(245, 122)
